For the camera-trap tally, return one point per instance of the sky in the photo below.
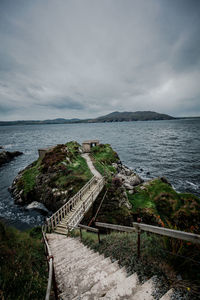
(86, 58)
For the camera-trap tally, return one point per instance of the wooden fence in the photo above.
(138, 227)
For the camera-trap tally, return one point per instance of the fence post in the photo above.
(138, 240)
(80, 234)
(99, 237)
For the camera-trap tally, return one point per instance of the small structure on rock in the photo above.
(87, 145)
(43, 151)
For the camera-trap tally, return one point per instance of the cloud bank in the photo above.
(87, 58)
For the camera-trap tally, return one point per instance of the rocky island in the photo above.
(62, 171)
(6, 156)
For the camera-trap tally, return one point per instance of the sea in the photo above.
(168, 148)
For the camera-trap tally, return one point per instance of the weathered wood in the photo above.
(115, 227)
(182, 235)
(89, 228)
(48, 291)
(50, 267)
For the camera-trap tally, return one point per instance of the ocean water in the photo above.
(151, 148)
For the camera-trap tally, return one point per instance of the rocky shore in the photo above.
(6, 156)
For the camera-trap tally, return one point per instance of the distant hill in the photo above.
(38, 122)
(115, 116)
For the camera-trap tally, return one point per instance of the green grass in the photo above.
(103, 156)
(28, 179)
(22, 264)
(167, 207)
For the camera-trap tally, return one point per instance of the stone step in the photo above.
(100, 289)
(124, 289)
(144, 291)
(66, 257)
(82, 262)
(77, 283)
(70, 261)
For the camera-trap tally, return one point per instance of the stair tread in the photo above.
(144, 291)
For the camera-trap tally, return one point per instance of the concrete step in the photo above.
(100, 289)
(144, 291)
(124, 289)
(77, 283)
(92, 258)
(69, 262)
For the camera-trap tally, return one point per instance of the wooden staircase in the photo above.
(72, 212)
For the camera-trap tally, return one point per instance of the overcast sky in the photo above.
(86, 58)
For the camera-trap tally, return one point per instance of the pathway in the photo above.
(90, 165)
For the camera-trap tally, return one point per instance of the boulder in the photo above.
(135, 180)
(6, 156)
(128, 186)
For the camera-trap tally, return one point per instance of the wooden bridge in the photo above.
(72, 212)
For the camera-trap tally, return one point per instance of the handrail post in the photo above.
(138, 239)
(99, 237)
(81, 234)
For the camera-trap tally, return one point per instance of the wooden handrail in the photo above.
(51, 276)
(115, 227)
(177, 234)
(62, 211)
(181, 235)
(88, 228)
(77, 216)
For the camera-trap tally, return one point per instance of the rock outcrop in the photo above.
(6, 156)
(128, 178)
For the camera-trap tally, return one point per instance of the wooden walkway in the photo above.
(71, 213)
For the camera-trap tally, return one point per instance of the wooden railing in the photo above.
(138, 227)
(51, 277)
(95, 230)
(84, 206)
(61, 213)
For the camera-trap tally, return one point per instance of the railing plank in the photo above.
(89, 228)
(182, 235)
(115, 227)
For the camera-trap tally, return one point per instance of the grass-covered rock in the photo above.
(103, 158)
(23, 268)
(158, 203)
(54, 179)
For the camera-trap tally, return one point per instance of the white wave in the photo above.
(192, 184)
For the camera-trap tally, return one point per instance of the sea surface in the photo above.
(151, 148)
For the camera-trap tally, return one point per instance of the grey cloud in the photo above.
(64, 103)
(87, 58)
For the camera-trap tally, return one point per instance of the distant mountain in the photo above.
(38, 122)
(117, 116)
